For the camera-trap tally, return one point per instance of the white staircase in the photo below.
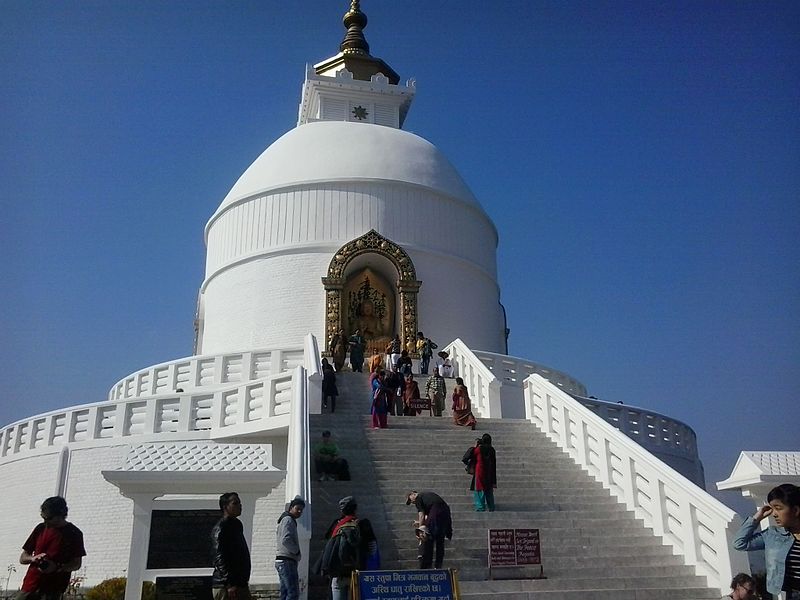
(593, 546)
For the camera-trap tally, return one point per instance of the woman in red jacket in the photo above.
(485, 478)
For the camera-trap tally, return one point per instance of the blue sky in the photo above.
(641, 161)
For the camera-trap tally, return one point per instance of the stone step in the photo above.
(576, 589)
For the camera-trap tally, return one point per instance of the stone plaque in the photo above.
(514, 547)
(183, 588)
(528, 549)
(501, 548)
(181, 539)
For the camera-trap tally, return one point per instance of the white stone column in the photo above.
(140, 540)
(248, 516)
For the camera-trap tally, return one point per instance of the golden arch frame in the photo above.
(407, 284)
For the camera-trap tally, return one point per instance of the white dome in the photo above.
(341, 151)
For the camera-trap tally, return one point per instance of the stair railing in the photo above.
(697, 526)
(483, 386)
(313, 366)
(298, 468)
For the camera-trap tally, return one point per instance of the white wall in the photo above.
(267, 255)
(264, 303)
(25, 484)
(103, 514)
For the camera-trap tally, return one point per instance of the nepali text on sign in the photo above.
(514, 547)
(428, 584)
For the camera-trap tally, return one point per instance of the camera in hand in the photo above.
(43, 565)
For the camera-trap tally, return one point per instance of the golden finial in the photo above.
(355, 21)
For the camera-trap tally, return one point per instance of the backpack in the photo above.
(342, 553)
(469, 460)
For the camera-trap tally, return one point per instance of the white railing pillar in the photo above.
(313, 367)
(218, 374)
(494, 406)
(298, 469)
(247, 366)
(484, 388)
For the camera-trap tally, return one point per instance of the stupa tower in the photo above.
(348, 220)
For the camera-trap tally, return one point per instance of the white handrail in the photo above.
(483, 386)
(313, 365)
(298, 468)
(697, 526)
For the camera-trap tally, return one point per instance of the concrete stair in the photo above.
(592, 548)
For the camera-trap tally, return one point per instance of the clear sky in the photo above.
(640, 159)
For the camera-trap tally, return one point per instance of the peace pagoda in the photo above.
(349, 222)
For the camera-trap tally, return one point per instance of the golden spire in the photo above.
(355, 21)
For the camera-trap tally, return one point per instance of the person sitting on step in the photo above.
(327, 461)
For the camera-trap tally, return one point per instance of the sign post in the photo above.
(515, 548)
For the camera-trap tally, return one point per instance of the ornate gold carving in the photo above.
(407, 283)
(372, 241)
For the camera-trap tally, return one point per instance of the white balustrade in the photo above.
(656, 432)
(512, 371)
(697, 526)
(224, 395)
(652, 430)
(206, 372)
(483, 386)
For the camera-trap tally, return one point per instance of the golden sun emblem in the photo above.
(360, 113)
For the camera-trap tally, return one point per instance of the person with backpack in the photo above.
(343, 551)
(287, 550)
(425, 347)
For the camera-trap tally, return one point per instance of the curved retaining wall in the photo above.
(668, 439)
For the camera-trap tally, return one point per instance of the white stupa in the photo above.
(348, 195)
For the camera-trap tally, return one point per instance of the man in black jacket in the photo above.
(231, 555)
(433, 525)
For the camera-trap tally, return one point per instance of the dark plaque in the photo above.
(514, 547)
(181, 539)
(420, 404)
(501, 548)
(183, 588)
(528, 549)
